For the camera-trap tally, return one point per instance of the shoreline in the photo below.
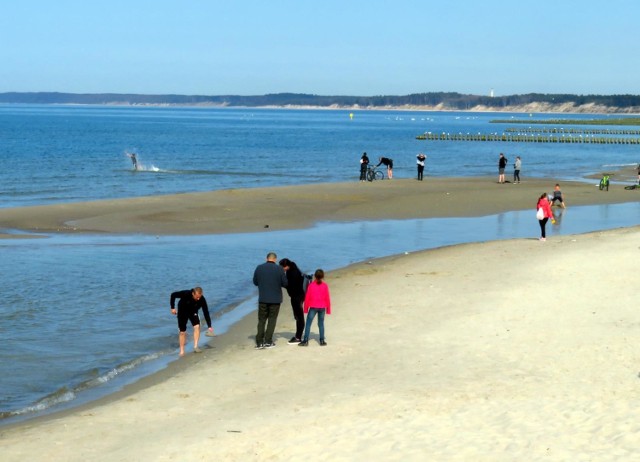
(381, 200)
(530, 108)
(419, 390)
(296, 207)
(238, 309)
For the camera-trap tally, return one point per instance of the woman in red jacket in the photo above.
(545, 206)
(316, 301)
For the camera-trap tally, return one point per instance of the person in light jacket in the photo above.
(317, 301)
(516, 170)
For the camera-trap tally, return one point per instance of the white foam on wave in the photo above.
(119, 370)
(144, 168)
(621, 165)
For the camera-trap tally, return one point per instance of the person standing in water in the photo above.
(558, 196)
(190, 301)
(134, 159)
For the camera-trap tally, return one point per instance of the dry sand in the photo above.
(259, 209)
(506, 350)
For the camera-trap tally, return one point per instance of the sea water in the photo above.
(82, 315)
(54, 154)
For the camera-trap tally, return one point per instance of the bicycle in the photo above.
(374, 174)
(632, 187)
(604, 182)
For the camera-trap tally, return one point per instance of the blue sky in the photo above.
(324, 47)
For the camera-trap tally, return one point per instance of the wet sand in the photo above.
(291, 207)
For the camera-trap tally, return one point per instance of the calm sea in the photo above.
(81, 316)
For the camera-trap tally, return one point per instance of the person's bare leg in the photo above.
(196, 337)
(182, 340)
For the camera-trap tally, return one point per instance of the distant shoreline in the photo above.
(429, 101)
(526, 109)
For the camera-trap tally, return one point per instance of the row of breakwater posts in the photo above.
(578, 131)
(527, 138)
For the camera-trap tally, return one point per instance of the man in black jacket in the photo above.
(364, 164)
(270, 279)
(190, 302)
(502, 164)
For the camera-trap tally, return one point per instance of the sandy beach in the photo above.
(505, 350)
(260, 209)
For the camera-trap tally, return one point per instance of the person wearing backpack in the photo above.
(295, 289)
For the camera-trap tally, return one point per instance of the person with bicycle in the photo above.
(389, 163)
(364, 164)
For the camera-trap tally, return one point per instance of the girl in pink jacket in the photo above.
(316, 301)
(543, 203)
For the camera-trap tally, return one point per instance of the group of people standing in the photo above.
(502, 165)
(388, 162)
(545, 201)
(364, 166)
(312, 299)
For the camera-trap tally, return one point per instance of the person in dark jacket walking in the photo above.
(295, 289)
(270, 279)
(190, 301)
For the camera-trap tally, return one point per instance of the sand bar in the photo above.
(505, 350)
(290, 207)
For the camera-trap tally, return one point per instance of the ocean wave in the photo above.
(67, 395)
(117, 371)
(635, 164)
(62, 395)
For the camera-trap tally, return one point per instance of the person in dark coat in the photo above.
(295, 289)
(364, 164)
(270, 279)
